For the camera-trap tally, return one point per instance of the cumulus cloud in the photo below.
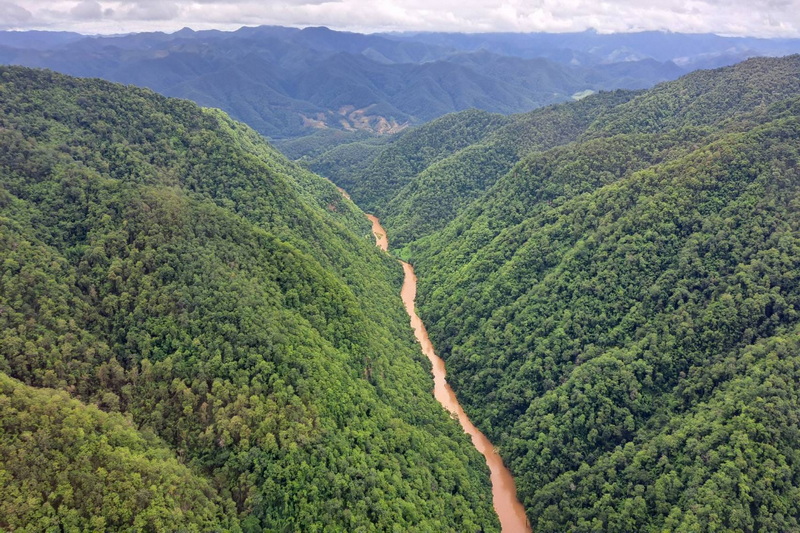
(87, 10)
(768, 18)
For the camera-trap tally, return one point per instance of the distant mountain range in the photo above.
(288, 82)
(690, 51)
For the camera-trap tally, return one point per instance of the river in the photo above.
(504, 493)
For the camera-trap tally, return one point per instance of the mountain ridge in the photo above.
(164, 264)
(619, 313)
(286, 82)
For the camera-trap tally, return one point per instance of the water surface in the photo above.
(504, 493)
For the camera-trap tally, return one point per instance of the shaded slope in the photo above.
(163, 262)
(67, 464)
(403, 159)
(443, 188)
(621, 313)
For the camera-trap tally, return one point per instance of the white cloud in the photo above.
(13, 16)
(87, 10)
(768, 18)
(152, 10)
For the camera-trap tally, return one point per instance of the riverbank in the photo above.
(504, 493)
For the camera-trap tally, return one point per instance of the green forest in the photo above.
(619, 307)
(197, 334)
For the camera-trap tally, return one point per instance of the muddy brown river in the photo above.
(504, 493)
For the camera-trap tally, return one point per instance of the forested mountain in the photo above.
(196, 334)
(335, 154)
(417, 195)
(399, 163)
(288, 82)
(620, 311)
(421, 194)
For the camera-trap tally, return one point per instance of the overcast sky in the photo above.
(764, 18)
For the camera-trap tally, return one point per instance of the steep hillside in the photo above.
(435, 192)
(397, 165)
(335, 154)
(621, 314)
(705, 97)
(166, 265)
(64, 464)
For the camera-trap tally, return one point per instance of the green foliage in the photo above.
(417, 149)
(317, 144)
(346, 160)
(443, 188)
(728, 463)
(431, 195)
(67, 465)
(163, 263)
(620, 314)
(704, 97)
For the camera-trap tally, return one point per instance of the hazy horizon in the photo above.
(736, 18)
(168, 30)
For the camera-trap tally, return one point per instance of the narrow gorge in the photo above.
(504, 493)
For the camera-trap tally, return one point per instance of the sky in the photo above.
(759, 18)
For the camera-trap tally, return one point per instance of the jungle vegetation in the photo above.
(197, 334)
(619, 310)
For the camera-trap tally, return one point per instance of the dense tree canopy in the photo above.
(205, 329)
(402, 160)
(442, 188)
(620, 314)
(227, 311)
(67, 465)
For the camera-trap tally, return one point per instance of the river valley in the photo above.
(504, 494)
